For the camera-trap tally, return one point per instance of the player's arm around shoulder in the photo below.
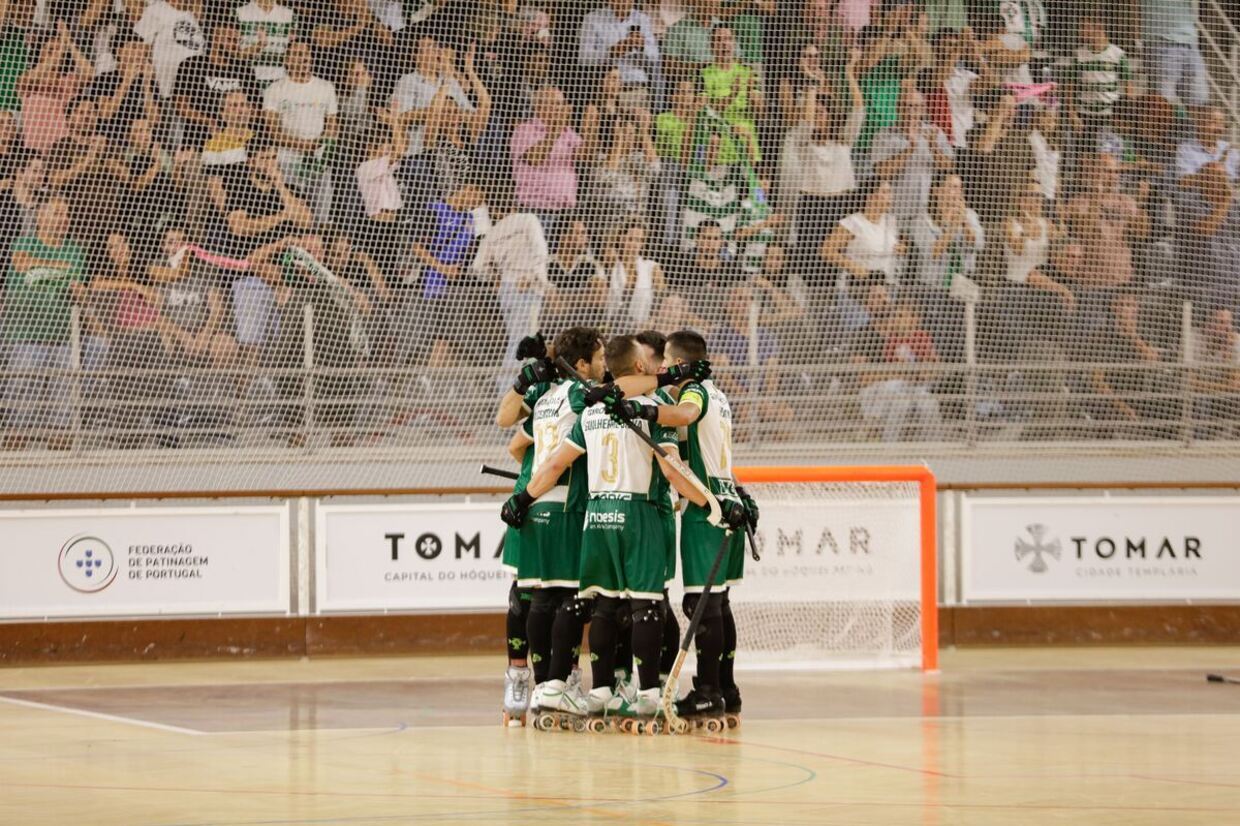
(521, 440)
(690, 406)
(518, 505)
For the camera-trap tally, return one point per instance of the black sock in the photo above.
(727, 665)
(538, 630)
(624, 641)
(647, 640)
(604, 629)
(671, 638)
(709, 651)
(570, 621)
(518, 614)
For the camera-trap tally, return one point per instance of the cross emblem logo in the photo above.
(1039, 548)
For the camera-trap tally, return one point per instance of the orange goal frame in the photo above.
(927, 525)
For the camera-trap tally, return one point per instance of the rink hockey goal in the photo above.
(847, 576)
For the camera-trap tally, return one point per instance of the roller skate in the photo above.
(732, 706)
(704, 708)
(560, 708)
(640, 715)
(516, 696)
(596, 707)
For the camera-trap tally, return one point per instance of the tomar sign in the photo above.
(409, 557)
(1101, 548)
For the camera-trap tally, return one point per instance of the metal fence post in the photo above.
(307, 364)
(75, 376)
(1188, 373)
(970, 378)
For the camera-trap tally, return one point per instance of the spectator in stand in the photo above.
(46, 276)
(1208, 146)
(1209, 223)
(1101, 78)
(687, 44)
(1006, 46)
(1105, 221)
(578, 289)
(412, 100)
(948, 87)
(301, 110)
(344, 31)
(513, 256)
(452, 134)
(865, 249)
(806, 76)
(225, 148)
(544, 158)
(603, 114)
(732, 89)
(128, 93)
(907, 155)
(1124, 387)
(47, 89)
(635, 284)
(883, 67)
(818, 165)
(619, 190)
(1029, 235)
(379, 232)
(172, 31)
(618, 36)
(784, 306)
(252, 212)
(732, 343)
(1217, 380)
(747, 19)
(153, 186)
(1175, 65)
(14, 56)
(440, 303)
(706, 276)
(79, 169)
(267, 28)
(205, 82)
(20, 201)
(904, 404)
(949, 241)
(676, 146)
(135, 343)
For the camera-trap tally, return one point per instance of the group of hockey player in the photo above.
(592, 533)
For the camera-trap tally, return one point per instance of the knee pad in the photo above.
(576, 608)
(519, 600)
(608, 607)
(624, 614)
(545, 600)
(647, 611)
(714, 605)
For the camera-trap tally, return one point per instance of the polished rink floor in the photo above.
(1037, 736)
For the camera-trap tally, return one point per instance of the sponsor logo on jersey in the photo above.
(605, 518)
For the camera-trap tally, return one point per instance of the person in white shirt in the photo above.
(634, 283)
(817, 161)
(621, 37)
(174, 35)
(300, 110)
(865, 249)
(1029, 234)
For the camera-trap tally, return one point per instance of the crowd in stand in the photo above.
(853, 183)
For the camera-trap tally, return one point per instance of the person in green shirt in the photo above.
(45, 276)
(686, 46)
(732, 92)
(676, 140)
(14, 60)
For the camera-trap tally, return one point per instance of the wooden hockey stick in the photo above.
(487, 470)
(715, 517)
(1219, 678)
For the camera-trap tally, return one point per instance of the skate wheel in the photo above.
(579, 726)
(626, 726)
(597, 726)
(654, 727)
(680, 726)
(713, 725)
(544, 722)
(734, 720)
(566, 723)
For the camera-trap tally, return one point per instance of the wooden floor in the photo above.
(1030, 736)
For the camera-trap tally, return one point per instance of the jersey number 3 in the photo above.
(611, 458)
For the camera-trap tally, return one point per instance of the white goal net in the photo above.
(839, 584)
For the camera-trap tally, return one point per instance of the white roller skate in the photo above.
(641, 714)
(597, 702)
(516, 695)
(560, 707)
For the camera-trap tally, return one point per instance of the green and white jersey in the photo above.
(620, 464)
(555, 414)
(1098, 77)
(708, 443)
(663, 494)
(527, 461)
(278, 25)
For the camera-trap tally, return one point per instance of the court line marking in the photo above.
(99, 715)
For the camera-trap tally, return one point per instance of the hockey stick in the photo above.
(753, 542)
(672, 687)
(1219, 678)
(487, 470)
(715, 516)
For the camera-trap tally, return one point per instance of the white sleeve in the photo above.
(271, 97)
(332, 103)
(148, 25)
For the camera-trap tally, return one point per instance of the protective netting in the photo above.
(839, 580)
(310, 233)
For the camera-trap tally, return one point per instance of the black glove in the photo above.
(677, 373)
(609, 394)
(516, 508)
(533, 373)
(630, 410)
(751, 507)
(532, 347)
(734, 515)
